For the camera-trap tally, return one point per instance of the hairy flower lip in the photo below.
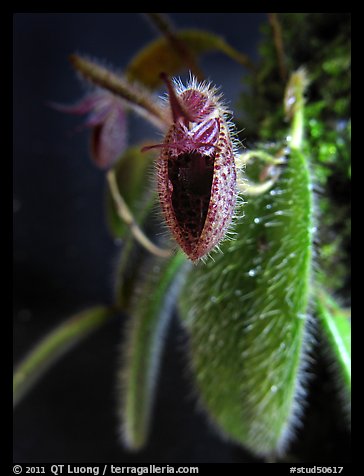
(222, 195)
(196, 173)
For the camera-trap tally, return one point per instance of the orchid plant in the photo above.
(236, 257)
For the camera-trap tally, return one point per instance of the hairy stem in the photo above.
(162, 23)
(278, 42)
(136, 97)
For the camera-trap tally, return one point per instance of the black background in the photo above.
(64, 258)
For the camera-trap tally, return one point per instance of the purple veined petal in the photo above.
(106, 117)
(97, 117)
(108, 139)
(97, 105)
(84, 106)
(103, 103)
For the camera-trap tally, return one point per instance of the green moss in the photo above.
(321, 43)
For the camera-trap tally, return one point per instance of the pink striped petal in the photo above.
(107, 118)
(108, 139)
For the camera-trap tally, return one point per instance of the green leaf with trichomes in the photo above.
(150, 313)
(245, 312)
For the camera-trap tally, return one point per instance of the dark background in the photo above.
(64, 258)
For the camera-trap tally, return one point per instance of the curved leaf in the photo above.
(151, 311)
(246, 312)
(160, 56)
(336, 326)
(54, 345)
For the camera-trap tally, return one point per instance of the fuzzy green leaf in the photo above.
(246, 312)
(132, 174)
(336, 326)
(150, 314)
(160, 56)
(55, 345)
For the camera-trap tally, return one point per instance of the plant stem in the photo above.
(294, 106)
(297, 129)
(337, 329)
(249, 188)
(136, 97)
(165, 28)
(278, 42)
(54, 345)
(126, 215)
